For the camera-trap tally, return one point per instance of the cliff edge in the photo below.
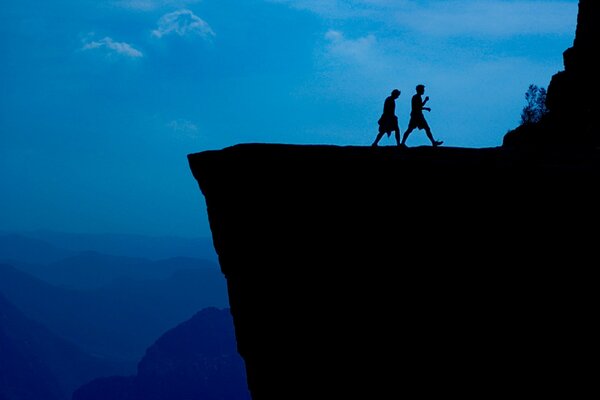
(380, 272)
(360, 272)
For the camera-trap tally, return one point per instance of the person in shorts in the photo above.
(388, 122)
(417, 119)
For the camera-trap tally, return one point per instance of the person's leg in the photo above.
(378, 138)
(397, 134)
(434, 142)
(405, 136)
(429, 135)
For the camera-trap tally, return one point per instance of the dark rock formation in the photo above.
(572, 94)
(195, 360)
(358, 272)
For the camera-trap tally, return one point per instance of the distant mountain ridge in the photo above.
(44, 245)
(117, 321)
(90, 269)
(111, 305)
(136, 246)
(197, 359)
(35, 364)
(17, 247)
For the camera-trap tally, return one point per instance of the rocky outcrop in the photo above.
(572, 96)
(359, 272)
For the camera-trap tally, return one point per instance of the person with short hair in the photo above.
(388, 122)
(417, 119)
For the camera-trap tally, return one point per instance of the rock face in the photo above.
(572, 94)
(358, 272)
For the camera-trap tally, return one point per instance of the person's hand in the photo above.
(426, 108)
(426, 98)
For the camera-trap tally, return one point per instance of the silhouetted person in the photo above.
(388, 122)
(417, 119)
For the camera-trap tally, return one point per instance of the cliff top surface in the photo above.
(259, 154)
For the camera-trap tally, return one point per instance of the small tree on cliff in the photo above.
(536, 105)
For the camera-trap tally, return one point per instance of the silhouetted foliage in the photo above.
(536, 105)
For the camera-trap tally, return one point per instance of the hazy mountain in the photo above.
(197, 359)
(92, 270)
(85, 269)
(88, 270)
(113, 295)
(16, 247)
(149, 247)
(120, 321)
(36, 364)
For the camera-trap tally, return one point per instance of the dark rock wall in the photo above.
(376, 273)
(573, 94)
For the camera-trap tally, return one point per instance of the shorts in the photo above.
(417, 121)
(388, 124)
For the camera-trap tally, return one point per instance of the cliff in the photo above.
(572, 96)
(381, 272)
(359, 272)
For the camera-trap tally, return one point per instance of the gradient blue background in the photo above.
(101, 101)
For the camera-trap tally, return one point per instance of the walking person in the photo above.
(417, 119)
(388, 122)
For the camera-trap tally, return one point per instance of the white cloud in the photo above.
(452, 17)
(147, 5)
(361, 49)
(490, 18)
(354, 65)
(184, 128)
(337, 9)
(118, 47)
(182, 22)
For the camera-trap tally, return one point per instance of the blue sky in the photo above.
(101, 100)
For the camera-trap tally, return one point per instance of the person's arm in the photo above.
(423, 104)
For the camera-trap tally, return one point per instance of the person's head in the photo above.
(395, 93)
(420, 89)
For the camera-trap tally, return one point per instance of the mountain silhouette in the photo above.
(90, 269)
(134, 246)
(197, 359)
(37, 364)
(118, 321)
(20, 248)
